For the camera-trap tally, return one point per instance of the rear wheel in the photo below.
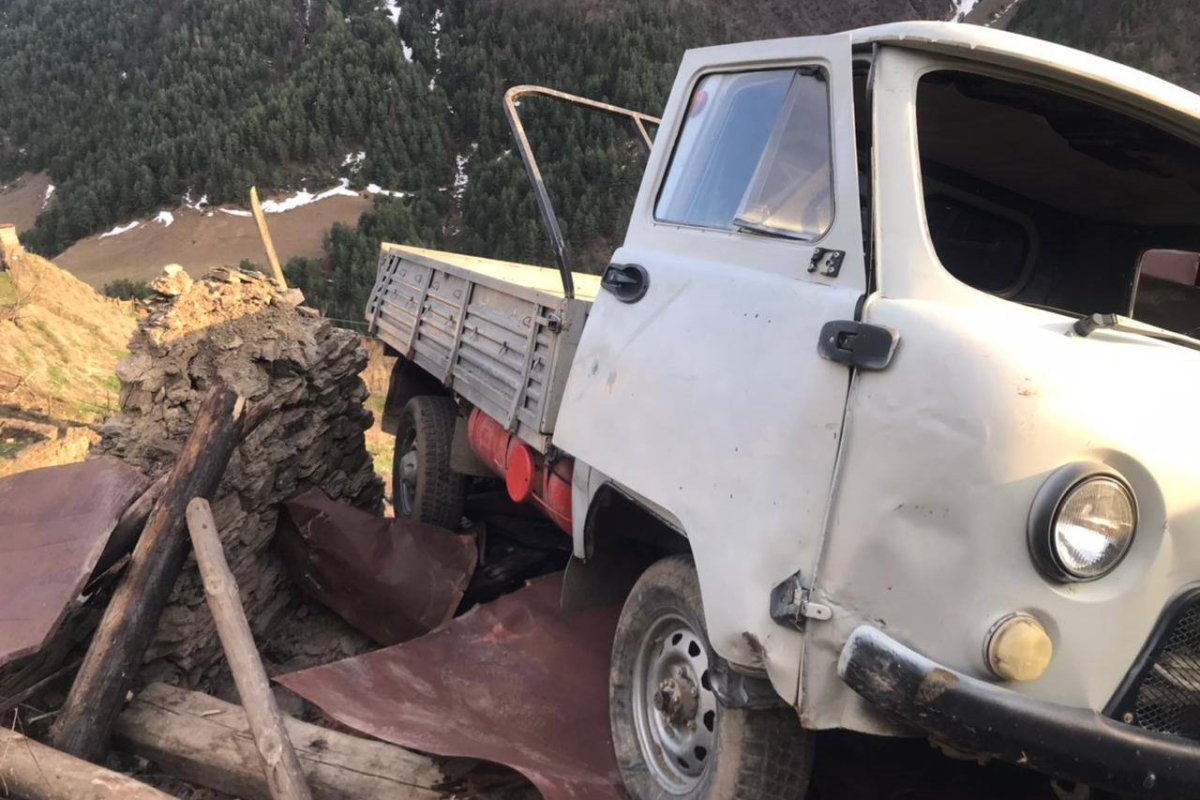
(424, 486)
(672, 736)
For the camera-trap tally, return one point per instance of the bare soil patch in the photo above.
(22, 200)
(200, 241)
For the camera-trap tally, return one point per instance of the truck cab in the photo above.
(880, 419)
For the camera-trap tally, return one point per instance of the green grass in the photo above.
(8, 292)
(57, 376)
(85, 411)
(381, 458)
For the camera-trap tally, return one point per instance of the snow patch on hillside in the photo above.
(354, 161)
(962, 8)
(235, 212)
(461, 178)
(49, 194)
(165, 218)
(375, 188)
(197, 206)
(435, 27)
(117, 231)
(305, 197)
(393, 9)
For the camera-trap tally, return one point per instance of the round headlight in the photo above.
(1082, 523)
(1094, 527)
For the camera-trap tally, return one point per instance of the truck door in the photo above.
(697, 387)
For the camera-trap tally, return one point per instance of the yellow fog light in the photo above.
(1018, 648)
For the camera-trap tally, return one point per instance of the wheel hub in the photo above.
(675, 711)
(676, 700)
(405, 490)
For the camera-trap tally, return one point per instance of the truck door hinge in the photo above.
(858, 344)
(792, 604)
(828, 262)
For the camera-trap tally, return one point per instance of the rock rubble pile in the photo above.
(237, 328)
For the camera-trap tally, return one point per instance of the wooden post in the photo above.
(119, 646)
(207, 742)
(36, 772)
(285, 779)
(129, 527)
(265, 233)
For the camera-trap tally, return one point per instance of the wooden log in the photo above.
(125, 535)
(127, 628)
(285, 779)
(129, 527)
(35, 772)
(207, 742)
(265, 233)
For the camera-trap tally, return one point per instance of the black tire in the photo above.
(425, 488)
(755, 755)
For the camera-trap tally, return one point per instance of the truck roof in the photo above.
(976, 43)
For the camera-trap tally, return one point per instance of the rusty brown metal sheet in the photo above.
(517, 682)
(54, 523)
(393, 579)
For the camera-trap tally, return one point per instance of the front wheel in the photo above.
(672, 737)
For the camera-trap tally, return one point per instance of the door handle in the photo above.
(628, 282)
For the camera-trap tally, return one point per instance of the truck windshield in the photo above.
(1050, 200)
(754, 154)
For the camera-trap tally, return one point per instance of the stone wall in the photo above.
(236, 328)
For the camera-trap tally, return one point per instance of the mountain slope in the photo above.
(1158, 36)
(59, 342)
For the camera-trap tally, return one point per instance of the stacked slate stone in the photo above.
(235, 327)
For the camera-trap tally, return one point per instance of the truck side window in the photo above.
(1168, 290)
(1050, 199)
(754, 155)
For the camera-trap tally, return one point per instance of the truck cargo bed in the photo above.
(500, 334)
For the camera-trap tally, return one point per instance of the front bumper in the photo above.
(1069, 743)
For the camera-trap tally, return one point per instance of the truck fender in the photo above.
(406, 382)
(622, 538)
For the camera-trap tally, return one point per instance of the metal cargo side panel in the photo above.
(495, 352)
(396, 299)
(440, 323)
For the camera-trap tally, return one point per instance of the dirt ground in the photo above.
(201, 241)
(22, 200)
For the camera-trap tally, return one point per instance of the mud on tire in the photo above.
(667, 744)
(424, 486)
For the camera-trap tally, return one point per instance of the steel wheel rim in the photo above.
(675, 710)
(405, 489)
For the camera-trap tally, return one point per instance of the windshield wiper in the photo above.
(1112, 322)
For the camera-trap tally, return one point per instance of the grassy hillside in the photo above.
(59, 342)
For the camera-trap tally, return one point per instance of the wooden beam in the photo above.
(207, 742)
(265, 233)
(127, 628)
(35, 772)
(285, 779)
(125, 535)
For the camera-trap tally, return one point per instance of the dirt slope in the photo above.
(23, 199)
(200, 241)
(59, 343)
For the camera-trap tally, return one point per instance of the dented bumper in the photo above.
(1074, 744)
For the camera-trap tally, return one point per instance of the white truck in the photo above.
(883, 417)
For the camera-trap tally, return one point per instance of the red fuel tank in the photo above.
(528, 475)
